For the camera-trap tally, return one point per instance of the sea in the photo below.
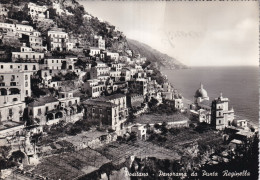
(239, 84)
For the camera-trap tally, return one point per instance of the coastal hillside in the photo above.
(73, 21)
(163, 60)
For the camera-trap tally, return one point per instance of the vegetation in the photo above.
(244, 158)
(154, 56)
(163, 109)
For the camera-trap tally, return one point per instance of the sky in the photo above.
(195, 33)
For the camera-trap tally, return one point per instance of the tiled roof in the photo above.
(99, 103)
(205, 102)
(42, 101)
(111, 97)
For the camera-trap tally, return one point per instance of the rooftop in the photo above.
(9, 124)
(42, 101)
(111, 97)
(206, 103)
(236, 141)
(99, 103)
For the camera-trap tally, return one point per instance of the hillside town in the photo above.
(64, 96)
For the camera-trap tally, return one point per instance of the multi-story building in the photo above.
(115, 75)
(27, 54)
(135, 100)
(3, 10)
(93, 87)
(117, 66)
(68, 102)
(7, 27)
(36, 42)
(23, 29)
(221, 116)
(15, 86)
(101, 69)
(45, 109)
(138, 86)
(113, 56)
(109, 111)
(93, 51)
(12, 109)
(19, 67)
(35, 11)
(126, 74)
(57, 40)
(54, 63)
(98, 42)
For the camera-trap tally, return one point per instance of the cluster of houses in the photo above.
(108, 88)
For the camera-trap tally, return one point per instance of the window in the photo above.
(33, 56)
(34, 67)
(39, 111)
(219, 122)
(12, 83)
(1, 77)
(2, 66)
(40, 56)
(25, 67)
(26, 92)
(26, 84)
(52, 61)
(10, 112)
(26, 56)
(12, 77)
(11, 66)
(93, 110)
(26, 77)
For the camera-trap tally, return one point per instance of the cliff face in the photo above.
(163, 60)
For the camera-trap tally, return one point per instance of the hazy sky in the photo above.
(195, 33)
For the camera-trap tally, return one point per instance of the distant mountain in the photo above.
(163, 60)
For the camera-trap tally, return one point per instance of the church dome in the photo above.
(201, 92)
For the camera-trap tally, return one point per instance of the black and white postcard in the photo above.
(129, 90)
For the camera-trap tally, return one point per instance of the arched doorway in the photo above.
(50, 116)
(58, 115)
(3, 91)
(14, 91)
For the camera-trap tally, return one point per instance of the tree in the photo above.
(153, 102)
(157, 126)
(71, 76)
(17, 156)
(164, 128)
